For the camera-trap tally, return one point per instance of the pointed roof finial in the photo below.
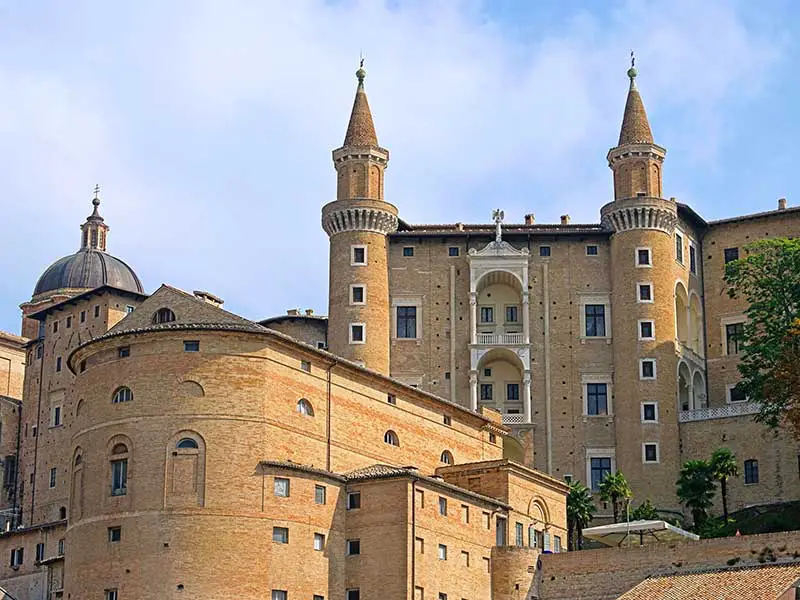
(635, 126)
(96, 203)
(362, 72)
(361, 129)
(632, 71)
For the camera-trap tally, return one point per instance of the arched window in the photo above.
(76, 495)
(120, 449)
(79, 408)
(163, 315)
(390, 437)
(119, 470)
(185, 472)
(123, 394)
(304, 407)
(78, 460)
(447, 457)
(186, 444)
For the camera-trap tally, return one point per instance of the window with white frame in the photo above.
(644, 291)
(650, 452)
(358, 333)
(512, 313)
(281, 488)
(595, 316)
(442, 552)
(644, 257)
(279, 595)
(358, 294)
(647, 368)
(112, 594)
(647, 329)
(487, 314)
(319, 494)
(319, 542)
(17, 557)
(649, 412)
(735, 393)
(591, 250)
(596, 395)
(358, 255)
(353, 547)
(734, 336)
(600, 462)
(406, 322)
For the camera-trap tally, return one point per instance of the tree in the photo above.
(580, 510)
(723, 466)
(645, 512)
(614, 488)
(786, 377)
(768, 278)
(696, 489)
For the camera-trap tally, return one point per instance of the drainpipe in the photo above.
(413, 537)
(328, 416)
(547, 385)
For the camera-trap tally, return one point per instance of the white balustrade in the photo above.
(513, 419)
(718, 412)
(500, 339)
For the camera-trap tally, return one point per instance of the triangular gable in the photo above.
(495, 248)
(187, 308)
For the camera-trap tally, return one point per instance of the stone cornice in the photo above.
(640, 213)
(358, 218)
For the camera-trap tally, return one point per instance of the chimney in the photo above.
(209, 297)
(530, 219)
(309, 312)
(460, 226)
(565, 219)
(293, 312)
(781, 203)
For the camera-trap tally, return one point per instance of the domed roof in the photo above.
(88, 269)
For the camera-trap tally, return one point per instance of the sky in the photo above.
(209, 125)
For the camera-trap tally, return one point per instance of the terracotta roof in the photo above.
(744, 583)
(635, 127)
(361, 129)
(13, 339)
(489, 229)
(758, 215)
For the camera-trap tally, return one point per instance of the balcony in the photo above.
(719, 412)
(513, 419)
(500, 339)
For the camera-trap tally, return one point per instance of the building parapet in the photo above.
(718, 412)
(500, 339)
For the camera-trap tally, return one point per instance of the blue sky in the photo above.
(209, 125)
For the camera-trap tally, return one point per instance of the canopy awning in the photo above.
(638, 533)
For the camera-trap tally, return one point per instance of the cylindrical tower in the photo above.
(643, 280)
(358, 223)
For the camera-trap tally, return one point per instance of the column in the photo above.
(526, 318)
(526, 394)
(473, 317)
(473, 390)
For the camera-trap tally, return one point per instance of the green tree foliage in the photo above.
(615, 488)
(723, 466)
(696, 489)
(645, 512)
(786, 377)
(768, 278)
(580, 511)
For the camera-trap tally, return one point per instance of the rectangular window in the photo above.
(487, 517)
(731, 254)
(512, 392)
(465, 514)
(69, 322)
(119, 477)
(96, 311)
(595, 320)
(645, 292)
(114, 534)
(112, 594)
(391, 399)
(488, 562)
(452, 251)
(546, 542)
(55, 326)
(353, 500)
(319, 494)
(420, 545)
(280, 535)
(486, 391)
(357, 294)
(544, 250)
(319, 542)
(646, 330)
(442, 506)
(39, 351)
(512, 315)
(407, 322)
(596, 398)
(408, 251)
(519, 533)
(487, 314)
(58, 364)
(124, 351)
(55, 421)
(750, 471)
(61, 547)
(650, 453)
(53, 473)
(532, 538)
(83, 316)
(736, 394)
(557, 543)
(281, 487)
(679, 248)
(279, 594)
(318, 597)
(359, 255)
(353, 594)
(356, 333)
(191, 346)
(734, 333)
(591, 250)
(465, 558)
(643, 257)
(442, 596)
(129, 309)
(305, 366)
(649, 412)
(692, 258)
(39, 552)
(599, 467)
(17, 556)
(353, 547)
(501, 533)
(442, 552)
(647, 368)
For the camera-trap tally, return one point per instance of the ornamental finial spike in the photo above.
(362, 72)
(632, 71)
(96, 199)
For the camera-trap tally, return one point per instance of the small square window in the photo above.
(356, 333)
(568, 478)
(391, 399)
(319, 542)
(646, 331)
(114, 534)
(447, 374)
(452, 251)
(281, 487)
(651, 453)
(447, 420)
(442, 552)
(353, 594)
(487, 372)
(353, 500)
(736, 394)
(305, 366)
(112, 594)
(442, 506)
(319, 494)
(647, 369)
(318, 597)
(280, 535)
(359, 256)
(442, 596)
(643, 257)
(649, 412)
(279, 595)
(129, 309)
(731, 254)
(124, 351)
(353, 547)
(645, 292)
(191, 346)
(322, 346)
(357, 294)
(544, 250)
(492, 438)
(591, 250)
(408, 251)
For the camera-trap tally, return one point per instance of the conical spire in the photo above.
(635, 127)
(361, 129)
(94, 232)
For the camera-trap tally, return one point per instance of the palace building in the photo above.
(416, 442)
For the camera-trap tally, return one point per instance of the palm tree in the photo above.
(723, 465)
(614, 488)
(580, 510)
(696, 489)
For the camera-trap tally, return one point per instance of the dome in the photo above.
(87, 269)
